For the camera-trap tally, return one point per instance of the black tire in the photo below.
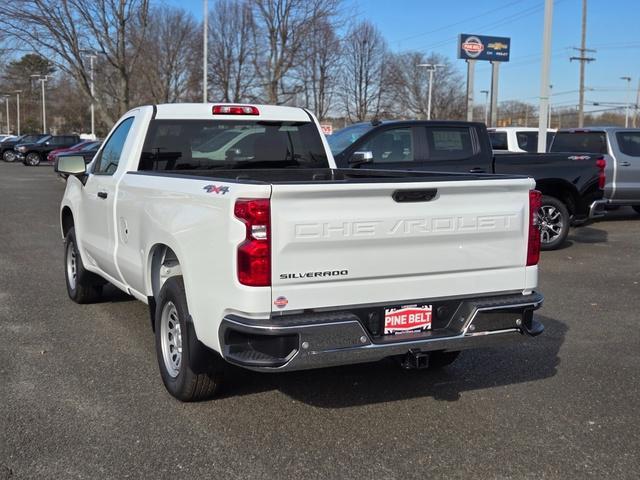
(9, 156)
(185, 381)
(553, 239)
(33, 159)
(636, 208)
(86, 287)
(441, 359)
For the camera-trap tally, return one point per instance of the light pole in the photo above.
(626, 114)
(204, 49)
(18, 92)
(550, 94)
(432, 68)
(486, 106)
(6, 101)
(93, 106)
(42, 79)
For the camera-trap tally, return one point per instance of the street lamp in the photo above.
(204, 48)
(92, 57)
(18, 92)
(432, 68)
(550, 94)
(486, 106)
(626, 114)
(42, 79)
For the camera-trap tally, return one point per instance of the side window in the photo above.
(499, 140)
(110, 154)
(393, 145)
(449, 143)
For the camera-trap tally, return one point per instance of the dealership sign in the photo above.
(482, 47)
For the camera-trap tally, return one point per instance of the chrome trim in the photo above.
(596, 208)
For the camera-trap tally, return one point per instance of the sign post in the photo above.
(482, 47)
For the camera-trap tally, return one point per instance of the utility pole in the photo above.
(544, 76)
(432, 68)
(204, 49)
(635, 117)
(493, 110)
(42, 79)
(583, 59)
(486, 106)
(628, 101)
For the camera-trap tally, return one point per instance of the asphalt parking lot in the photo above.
(81, 395)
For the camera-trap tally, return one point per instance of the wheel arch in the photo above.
(562, 190)
(162, 263)
(66, 220)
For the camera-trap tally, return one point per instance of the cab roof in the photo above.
(204, 111)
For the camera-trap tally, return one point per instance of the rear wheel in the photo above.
(33, 159)
(82, 285)
(9, 156)
(554, 223)
(175, 349)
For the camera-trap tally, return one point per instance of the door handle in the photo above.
(477, 170)
(102, 194)
(625, 164)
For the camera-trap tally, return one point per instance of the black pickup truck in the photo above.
(570, 183)
(32, 154)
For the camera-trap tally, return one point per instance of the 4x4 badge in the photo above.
(218, 189)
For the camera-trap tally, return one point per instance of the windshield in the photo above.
(211, 144)
(579, 142)
(342, 139)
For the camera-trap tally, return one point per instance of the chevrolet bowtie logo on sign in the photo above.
(482, 47)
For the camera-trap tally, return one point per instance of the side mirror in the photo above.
(360, 158)
(71, 165)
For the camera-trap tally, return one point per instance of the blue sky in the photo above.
(433, 26)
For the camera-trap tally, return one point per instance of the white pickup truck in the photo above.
(270, 258)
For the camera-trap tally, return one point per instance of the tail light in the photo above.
(254, 253)
(533, 245)
(601, 163)
(235, 110)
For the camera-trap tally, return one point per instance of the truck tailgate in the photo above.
(336, 244)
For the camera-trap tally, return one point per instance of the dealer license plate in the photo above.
(407, 319)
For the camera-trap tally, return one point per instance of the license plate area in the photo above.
(408, 319)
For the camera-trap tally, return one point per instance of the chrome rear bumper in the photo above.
(596, 210)
(324, 339)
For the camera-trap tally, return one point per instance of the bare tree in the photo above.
(320, 69)
(231, 50)
(170, 46)
(281, 27)
(364, 54)
(409, 86)
(64, 30)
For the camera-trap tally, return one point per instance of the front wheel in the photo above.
(554, 222)
(9, 156)
(82, 286)
(33, 159)
(176, 348)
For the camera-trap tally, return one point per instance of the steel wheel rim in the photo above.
(72, 265)
(171, 339)
(551, 223)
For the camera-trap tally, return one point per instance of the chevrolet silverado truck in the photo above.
(621, 148)
(273, 259)
(571, 184)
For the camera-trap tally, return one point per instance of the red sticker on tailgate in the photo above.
(407, 319)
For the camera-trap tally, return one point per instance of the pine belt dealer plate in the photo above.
(407, 319)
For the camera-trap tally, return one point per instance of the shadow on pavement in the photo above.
(588, 235)
(385, 381)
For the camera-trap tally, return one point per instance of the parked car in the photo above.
(6, 147)
(517, 139)
(621, 147)
(51, 157)
(279, 261)
(32, 154)
(7, 137)
(570, 188)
